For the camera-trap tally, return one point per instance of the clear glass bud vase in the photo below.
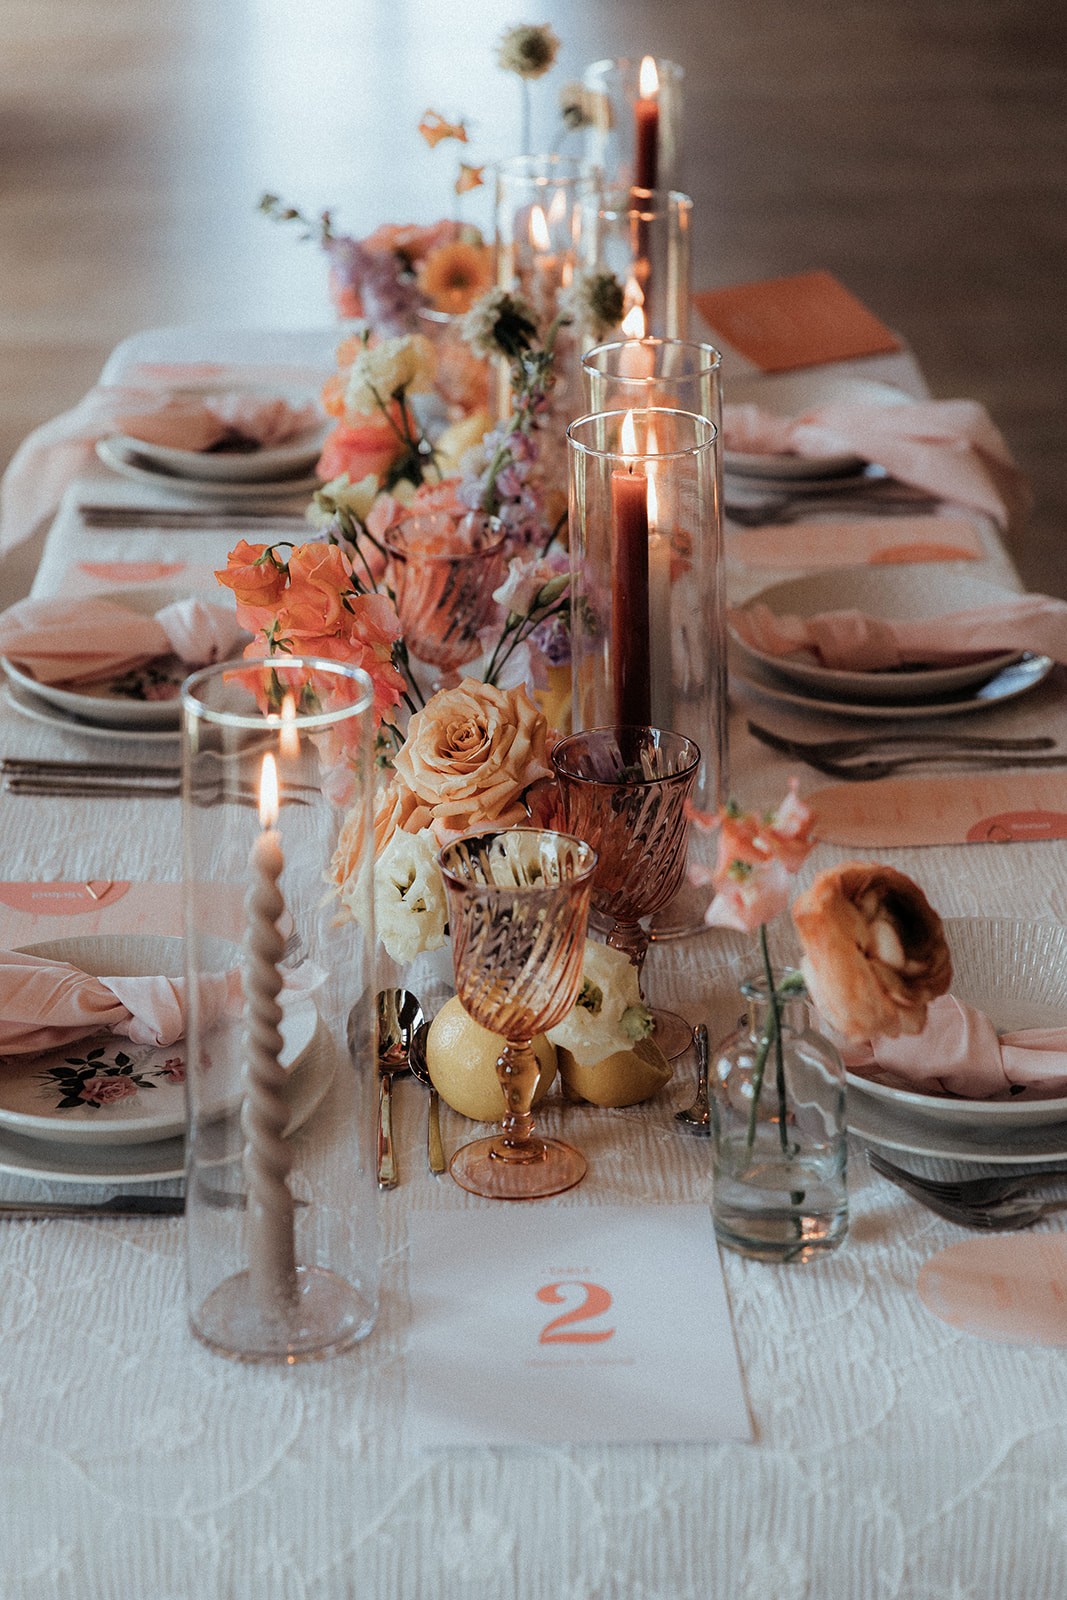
(778, 1131)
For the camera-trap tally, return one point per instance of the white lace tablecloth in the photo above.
(895, 1459)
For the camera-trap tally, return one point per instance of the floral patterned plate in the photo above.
(145, 697)
(104, 1089)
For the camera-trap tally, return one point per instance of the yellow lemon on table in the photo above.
(461, 1057)
(623, 1079)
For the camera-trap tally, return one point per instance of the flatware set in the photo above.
(996, 1204)
(835, 757)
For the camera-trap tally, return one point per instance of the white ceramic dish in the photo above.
(128, 1164)
(137, 467)
(105, 703)
(229, 466)
(36, 710)
(1018, 678)
(787, 394)
(1016, 972)
(892, 1128)
(65, 1094)
(890, 594)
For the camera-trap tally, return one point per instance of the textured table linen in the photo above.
(895, 1459)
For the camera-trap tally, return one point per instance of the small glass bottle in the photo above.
(778, 1131)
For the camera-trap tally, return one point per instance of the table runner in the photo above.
(895, 1458)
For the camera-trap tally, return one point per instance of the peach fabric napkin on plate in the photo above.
(949, 447)
(853, 641)
(81, 641)
(46, 1004)
(200, 423)
(960, 1053)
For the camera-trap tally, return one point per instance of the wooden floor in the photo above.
(917, 149)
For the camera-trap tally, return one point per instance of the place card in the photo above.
(570, 1324)
(1008, 1290)
(964, 808)
(34, 911)
(857, 541)
(805, 320)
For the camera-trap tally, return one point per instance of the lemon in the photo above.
(623, 1079)
(461, 1057)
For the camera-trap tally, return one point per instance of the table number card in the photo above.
(799, 321)
(573, 1324)
(965, 808)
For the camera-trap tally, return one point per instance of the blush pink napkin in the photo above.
(55, 453)
(960, 1053)
(47, 1004)
(81, 641)
(852, 641)
(949, 447)
(200, 424)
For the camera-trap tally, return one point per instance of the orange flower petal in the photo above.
(434, 128)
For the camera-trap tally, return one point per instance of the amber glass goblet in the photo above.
(625, 791)
(443, 572)
(518, 903)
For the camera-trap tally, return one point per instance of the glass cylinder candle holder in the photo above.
(648, 642)
(461, 378)
(642, 236)
(633, 121)
(281, 1204)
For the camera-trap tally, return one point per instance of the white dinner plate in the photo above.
(104, 1089)
(137, 467)
(297, 455)
(130, 1164)
(787, 394)
(1018, 678)
(889, 594)
(37, 710)
(895, 1129)
(146, 697)
(1015, 972)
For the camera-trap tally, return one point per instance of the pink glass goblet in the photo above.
(443, 572)
(625, 791)
(518, 903)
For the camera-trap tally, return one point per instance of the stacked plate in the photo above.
(1015, 972)
(139, 705)
(105, 1110)
(788, 394)
(886, 593)
(222, 477)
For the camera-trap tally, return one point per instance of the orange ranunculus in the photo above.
(255, 578)
(319, 575)
(454, 275)
(369, 445)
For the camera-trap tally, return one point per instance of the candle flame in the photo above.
(540, 237)
(557, 208)
(629, 437)
(289, 739)
(633, 323)
(648, 79)
(653, 503)
(268, 793)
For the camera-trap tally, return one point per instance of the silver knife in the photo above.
(120, 1205)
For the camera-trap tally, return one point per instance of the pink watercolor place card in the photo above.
(964, 808)
(32, 912)
(570, 1324)
(804, 320)
(858, 541)
(1009, 1290)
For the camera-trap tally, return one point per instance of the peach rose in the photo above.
(874, 950)
(471, 754)
(369, 445)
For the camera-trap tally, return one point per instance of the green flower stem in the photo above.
(783, 1135)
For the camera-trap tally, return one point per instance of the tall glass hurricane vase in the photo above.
(281, 1204)
(518, 903)
(778, 1131)
(633, 121)
(642, 236)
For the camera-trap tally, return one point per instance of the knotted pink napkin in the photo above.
(201, 423)
(960, 1053)
(81, 641)
(855, 642)
(949, 447)
(47, 1004)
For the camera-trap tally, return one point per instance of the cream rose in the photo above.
(874, 950)
(471, 754)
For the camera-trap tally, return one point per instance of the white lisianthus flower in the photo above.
(341, 495)
(609, 1014)
(410, 910)
(530, 586)
(381, 371)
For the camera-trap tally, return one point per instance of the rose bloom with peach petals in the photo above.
(472, 754)
(874, 950)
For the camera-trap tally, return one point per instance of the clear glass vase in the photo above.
(778, 1131)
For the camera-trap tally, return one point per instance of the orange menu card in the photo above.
(802, 321)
